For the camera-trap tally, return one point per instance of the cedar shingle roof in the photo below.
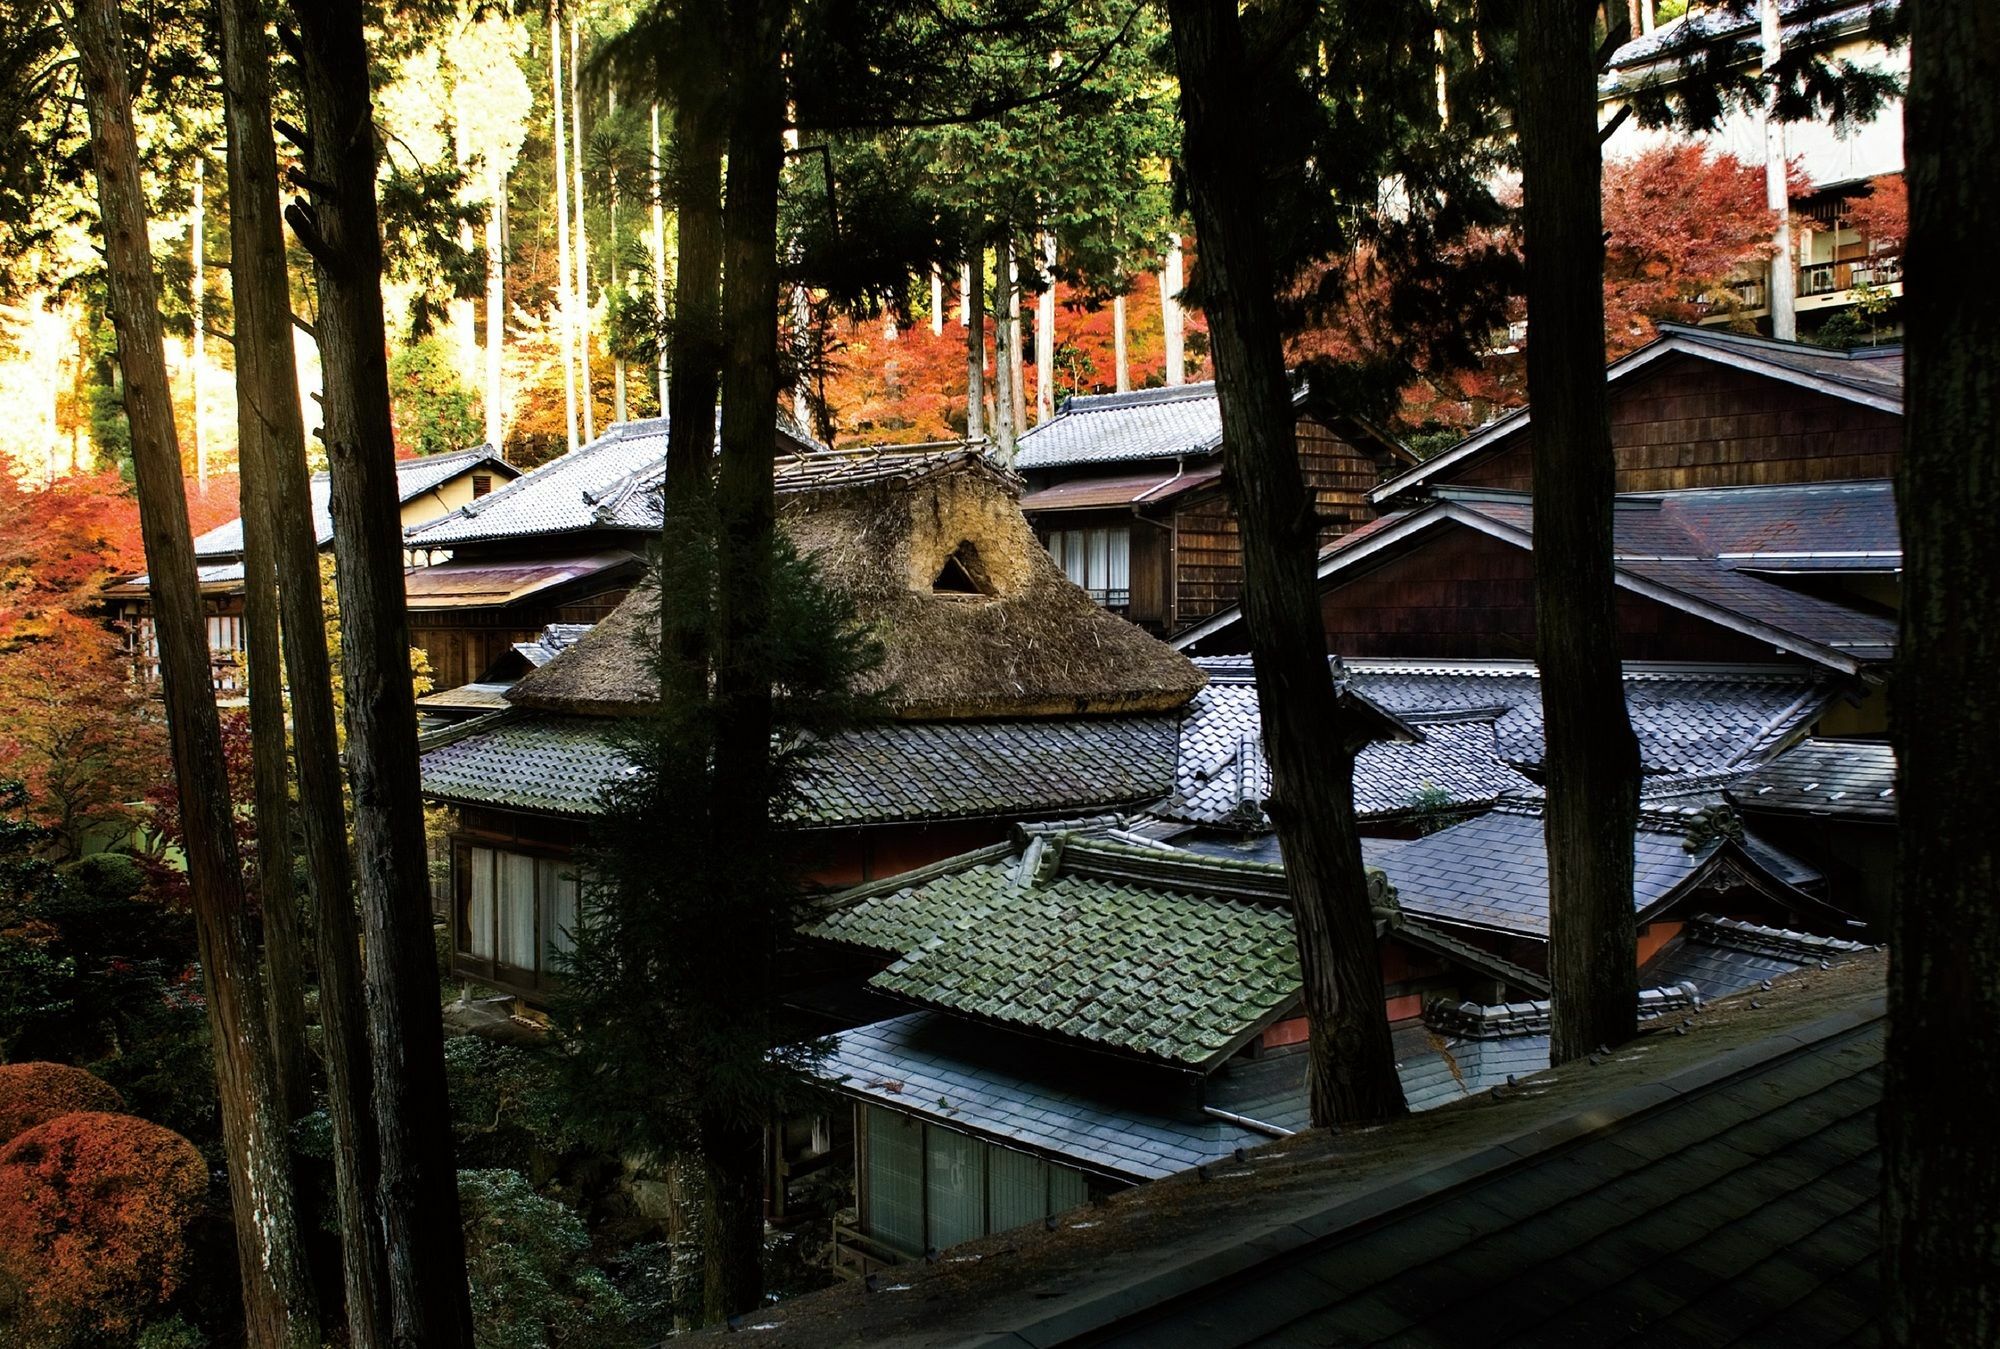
(1852, 779)
(881, 774)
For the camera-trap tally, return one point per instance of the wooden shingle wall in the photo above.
(1694, 423)
(1209, 560)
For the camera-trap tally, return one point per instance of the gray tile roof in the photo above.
(1223, 772)
(1848, 779)
(1492, 872)
(613, 483)
(1804, 21)
(414, 477)
(1689, 720)
(873, 775)
(1720, 956)
(551, 642)
(1128, 1122)
(1184, 419)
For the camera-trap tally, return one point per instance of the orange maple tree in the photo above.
(35, 1093)
(888, 384)
(94, 1215)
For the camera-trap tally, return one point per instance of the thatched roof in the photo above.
(975, 619)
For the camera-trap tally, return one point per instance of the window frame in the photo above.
(492, 970)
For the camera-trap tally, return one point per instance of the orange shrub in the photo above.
(34, 1093)
(94, 1211)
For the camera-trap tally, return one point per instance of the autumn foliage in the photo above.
(32, 1094)
(94, 1214)
(891, 384)
(1679, 222)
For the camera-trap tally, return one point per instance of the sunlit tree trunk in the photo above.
(197, 224)
(427, 1296)
(496, 311)
(1941, 1171)
(974, 301)
(1119, 357)
(565, 276)
(659, 242)
(1005, 428)
(937, 300)
(273, 452)
(1045, 337)
(588, 392)
(278, 1302)
(1171, 320)
(1352, 1075)
(1778, 193)
(1016, 356)
(1592, 758)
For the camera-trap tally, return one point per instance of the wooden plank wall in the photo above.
(1209, 562)
(1463, 596)
(463, 643)
(1692, 423)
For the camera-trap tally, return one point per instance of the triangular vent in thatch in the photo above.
(974, 617)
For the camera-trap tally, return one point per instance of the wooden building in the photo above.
(1126, 492)
(562, 545)
(428, 487)
(1093, 1011)
(1011, 696)
(1700, 407)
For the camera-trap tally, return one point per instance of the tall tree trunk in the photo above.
(695, 343)
(277, 1288)
(1353, 1067)
(1016, 356)
(1592, 757)
(588, 393)
(974, 301)
(418, 1188)
(1045, 336)
(1005, 430)
(277, 894)
(1783, 288)
(1941, 1171)
(197, 221)
(273, 451)
(746, 518)
(937, 300)
(496, 312)
(565, 275)
(659, 242)
(1120, 359)
(1171, 282)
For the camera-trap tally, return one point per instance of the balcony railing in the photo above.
(1831, 278)
(856, 1255)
